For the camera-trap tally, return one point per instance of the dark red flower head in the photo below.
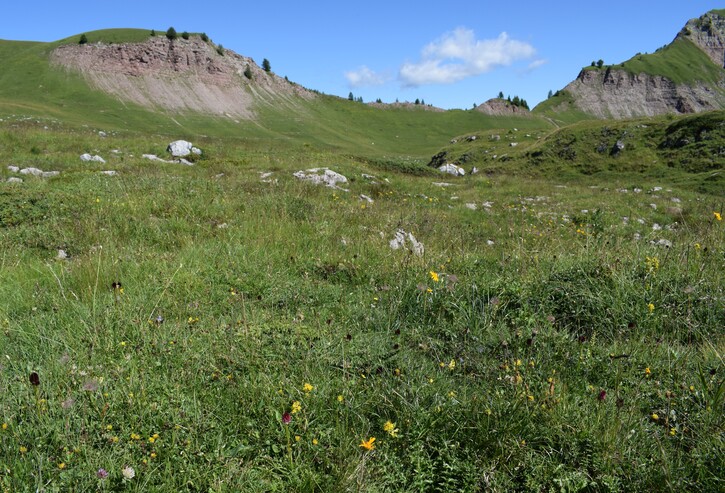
(35, 379)
(286, 418)
(602, 395)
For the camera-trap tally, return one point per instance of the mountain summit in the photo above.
(685, 76)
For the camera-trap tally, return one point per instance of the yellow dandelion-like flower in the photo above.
(340, 398)
(314, 441)
(296, 407)
(153, 455)
(434, 276)
(518, 362)
(23, 449)
(135, 436)
(61, 465)
(114, 439)
(651, 307)
(109, 427)
(718, 216)
(673, 432)
(5, 426)
(390, 429)
(368, 444)
(429, 290)
(530, 398)
(152, 439)
(297, 438)
(654, 417)
(452, 365)
(307, 387)
(647, 371)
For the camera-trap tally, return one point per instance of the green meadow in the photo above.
(213, 331)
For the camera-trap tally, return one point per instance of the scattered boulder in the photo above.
(62, 255)
(472, 206)
(452, 169)
(88, 158)
(182, 148)
(13, 169)
(438, 160)
(322, 176)
(31, 171)
(109, 172)
(366, 198)
(15, 179)
(618, 148)
(401, 239)
(661, 243)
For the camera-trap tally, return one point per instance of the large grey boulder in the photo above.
(182, 148)
(452, 169)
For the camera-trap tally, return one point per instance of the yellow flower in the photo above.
(307, 387)
(390, 428)
(647, 371)
(61, 465)
(654, 417)
(717, 216)
(135, 436)
(5, 426)
(152, 439)
(340, 398)
(109, 427)
(23, 449)
(673, 432)
(651, 307)
(530, 398)
(296, 407)
(429, 290)
(314, 441)
(114, 439)
(368, 444)
(153, 455)
(518, 362)
(434, 276)
(297, 438)
(452, 365)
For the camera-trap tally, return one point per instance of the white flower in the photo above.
(128, 472)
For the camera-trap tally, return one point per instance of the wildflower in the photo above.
(340, 398)
(152, 455)
(654, 417)
(286, 418)
(717, 216)
(673, 432)
(602, 395)
(297, 438)
(34, 379)
(368, 444)
(429, 290)
(518, 362)
(530, 398)
(135, 436)
(390, 428)
(152, 439)
(452, 365)
(434, 276)
(296, 407)
(102, 473)
(307, 387)
(651, 307)
(109, 427)
(128, 473)
(488, 412)
(647, 372)
(23, 449)
(4, 426)
(114, 439)
(314, 441)
(61, 465)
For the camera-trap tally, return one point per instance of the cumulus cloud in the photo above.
(536, 64)
(458, 55)
(364, 77)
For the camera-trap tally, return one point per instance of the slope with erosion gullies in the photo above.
(689, 150)
(683, 77)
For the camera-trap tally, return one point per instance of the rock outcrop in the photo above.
(501, 107)
(178, 76)
(619, 94)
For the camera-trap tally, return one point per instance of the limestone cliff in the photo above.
(501, 107)
(178, 76)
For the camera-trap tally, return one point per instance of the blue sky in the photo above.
(451, 54)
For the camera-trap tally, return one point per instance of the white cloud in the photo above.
(536, 64)
(458, 55)
(363, 77)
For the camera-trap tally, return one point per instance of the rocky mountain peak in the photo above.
(708, 33)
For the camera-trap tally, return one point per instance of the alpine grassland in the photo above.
(227, 327)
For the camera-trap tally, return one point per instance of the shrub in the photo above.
(171, 33)
(153, 32)
(204, 37)
(266, 65)
(248, 73)
(83, 39)
(220, 49)
(185, 35)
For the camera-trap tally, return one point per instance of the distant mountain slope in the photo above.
(686, 76)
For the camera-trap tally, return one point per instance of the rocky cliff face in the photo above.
(178, 76)
(708, 33)
(619, 94)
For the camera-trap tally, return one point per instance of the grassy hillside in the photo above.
(686, 150)
(210, 331)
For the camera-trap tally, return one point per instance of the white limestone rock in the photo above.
(452, 169)
(403, 240)
(322, 176)
(182, 148)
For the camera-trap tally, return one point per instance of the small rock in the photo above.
(31, 171)
(322, 176)
(490, 242)
(87, 157)
(661, 243)
(102, 133)
(109, 172)
(452, 169)
(675, 200)
(402, 238)
(15, 179)
(366, 198)
(13, 169)
(441, 184)
(62, 255)
(50, 174)
(471, 206)
(513, 144)
(653, 206)
(656, 227)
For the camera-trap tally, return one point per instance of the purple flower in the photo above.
(102, 474)
(286, 418)
(602, 395)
